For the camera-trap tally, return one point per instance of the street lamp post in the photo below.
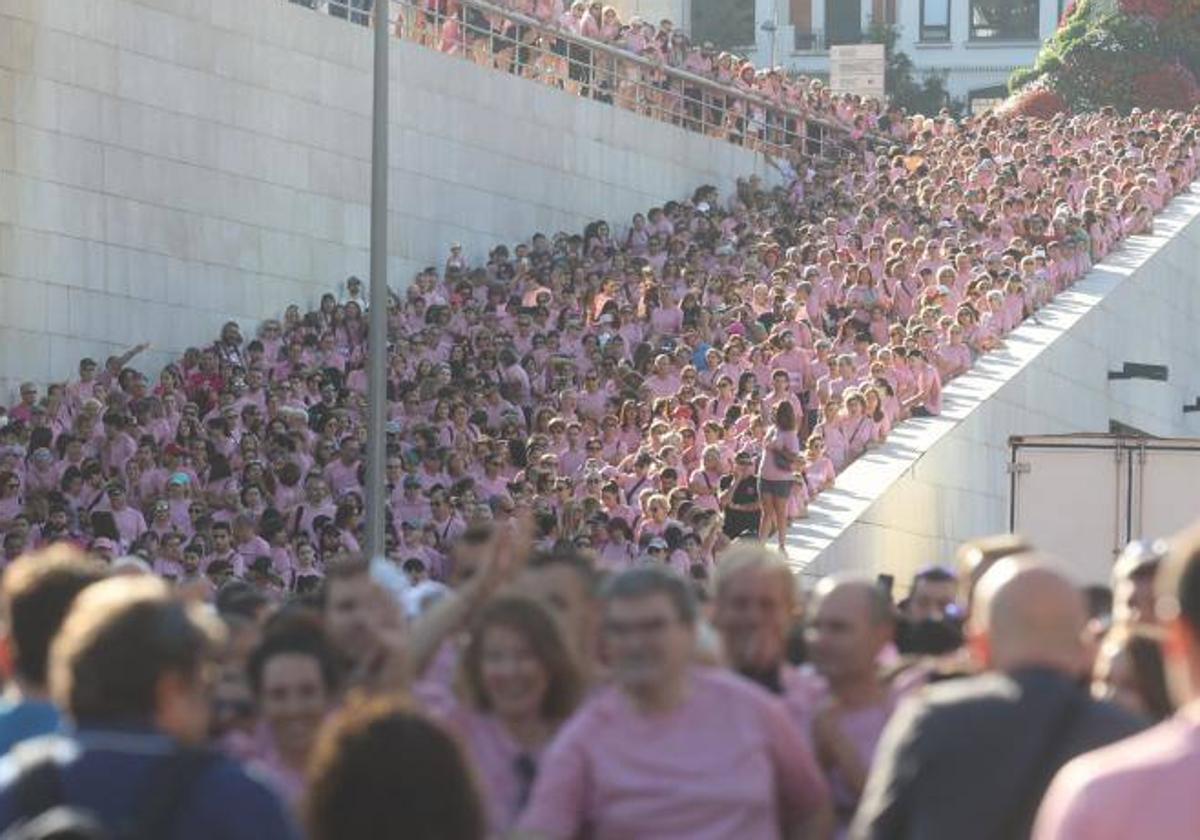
(376, 499)
(770, 28)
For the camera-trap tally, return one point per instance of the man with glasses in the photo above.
(672, 750)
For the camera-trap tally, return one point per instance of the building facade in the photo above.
(975, 43)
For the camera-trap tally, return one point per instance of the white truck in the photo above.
(1082, 497)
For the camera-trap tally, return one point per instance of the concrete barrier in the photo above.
(166, 165)
(939, 481)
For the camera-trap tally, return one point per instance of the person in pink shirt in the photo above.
(1144, 786)
(42, 475)
(294, 674)
(316, 503)
(342, 473)
(130, 522)
(705, 480)
(857, 426)
(794, 361)
(672, 751)
(818, 469)
(518, 684)
(79, 391)
(223, 551)
(953, 357)
(117, 446)
(662, 380)
(447, 525)
(781, 452)
(247, 544)
(23, 410)
(927, 401)
(618, 552)
(452, 38)
(754, 605)
(851, 623)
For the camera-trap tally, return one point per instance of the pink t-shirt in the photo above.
(719, 766)
(497, 758)
(768, 469)
(1144, 786)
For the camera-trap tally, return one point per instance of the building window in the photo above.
(984, 98)
(935, 20)
(1004, 20)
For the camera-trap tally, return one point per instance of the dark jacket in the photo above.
(111, 773)
(972, 757)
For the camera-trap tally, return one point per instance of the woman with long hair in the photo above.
(381, 769)
(1129, 672)
(781, 451)
(517, 684)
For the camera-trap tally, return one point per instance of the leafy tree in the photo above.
(1120, 53)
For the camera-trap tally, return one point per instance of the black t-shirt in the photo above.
(738, 522)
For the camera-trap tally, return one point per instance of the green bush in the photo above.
(1124, 53)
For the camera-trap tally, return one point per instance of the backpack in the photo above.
(44, 814)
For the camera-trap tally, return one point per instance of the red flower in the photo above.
(1157, 9)
(1036, 102)
(1170, 86)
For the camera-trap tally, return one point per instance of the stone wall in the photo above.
(166, 165)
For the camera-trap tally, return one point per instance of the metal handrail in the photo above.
(636, 83)
(626, 56)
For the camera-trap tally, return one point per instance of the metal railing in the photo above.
(511, 42)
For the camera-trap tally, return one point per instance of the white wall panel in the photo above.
(940, 481)
(215, 155)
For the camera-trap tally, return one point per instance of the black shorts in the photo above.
(779, 488)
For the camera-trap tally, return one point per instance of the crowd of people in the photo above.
(773, 115)
(650, 394)
(575, 629)
(562, 43)
(544, 699)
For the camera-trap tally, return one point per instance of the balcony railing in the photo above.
(510, 42)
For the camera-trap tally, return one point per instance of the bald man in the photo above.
(851, 622)
(972, 757)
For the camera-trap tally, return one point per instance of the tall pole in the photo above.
(377, 329)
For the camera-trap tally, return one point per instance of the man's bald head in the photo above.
(860, 589)
(1026, 613)
(850, 622)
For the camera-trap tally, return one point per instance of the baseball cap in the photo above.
(1140, 557)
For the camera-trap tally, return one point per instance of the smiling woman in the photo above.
(294, 675)
(518, 682)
